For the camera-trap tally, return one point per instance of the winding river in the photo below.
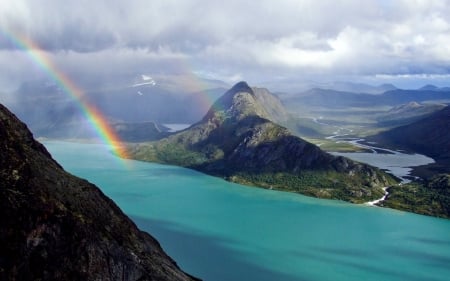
(395, 162)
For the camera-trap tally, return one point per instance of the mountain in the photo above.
(238, 140)
(50, 112)
(358, 88)
(429, 87)
(341, 99)
(273, 106)
(407, 113)
(56, 226)
(138, 132)
(429, 136)
(157, 97)
(290, 86)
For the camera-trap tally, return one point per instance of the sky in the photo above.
(406, 42)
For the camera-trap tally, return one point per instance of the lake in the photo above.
(395, 162)
(218, 230)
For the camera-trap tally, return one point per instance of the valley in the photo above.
(410, 140)
(225, 140)
(348, 124)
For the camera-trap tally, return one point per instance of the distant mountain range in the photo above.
(295, 87)
(408, 113)
(238, 140)
(163, 99)
(340, 99)
(140, 99)
(55, 226)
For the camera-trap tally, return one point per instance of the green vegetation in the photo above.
(431, 197)
(335, 146)
(167, 153)
(327, 184)
(237, 141)
(321, 184)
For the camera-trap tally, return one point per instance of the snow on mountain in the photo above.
(145, 80)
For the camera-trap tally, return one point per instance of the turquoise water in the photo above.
(217, 230)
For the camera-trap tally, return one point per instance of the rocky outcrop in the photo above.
(238, 140)
(55, 226)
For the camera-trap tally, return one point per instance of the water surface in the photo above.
(217, 230)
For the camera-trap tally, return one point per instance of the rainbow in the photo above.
(92, 114)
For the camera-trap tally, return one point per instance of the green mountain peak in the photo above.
(239, 140)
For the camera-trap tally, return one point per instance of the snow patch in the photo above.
(147, 80)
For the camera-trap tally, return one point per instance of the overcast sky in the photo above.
(366, 41)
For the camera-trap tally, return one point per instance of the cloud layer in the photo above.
(234, 39)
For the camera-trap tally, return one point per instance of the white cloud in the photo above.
(264, 38)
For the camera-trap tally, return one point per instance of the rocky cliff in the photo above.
(238, 140)
(55, 226)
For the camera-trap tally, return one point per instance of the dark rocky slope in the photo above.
(238, 141)
(55, 226)
(429, 135)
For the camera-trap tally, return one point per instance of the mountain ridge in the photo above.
(56, 226)
(429, 135)
(341, 99)
(238, 140)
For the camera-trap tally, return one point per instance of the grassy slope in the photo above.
(431, 197)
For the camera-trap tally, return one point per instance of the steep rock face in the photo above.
(237, 140)
(273, 105)
(55, 226)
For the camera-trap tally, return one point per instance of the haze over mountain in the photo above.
(409, 112)
(238, 140)
(296, 87)
(340, 99)
(56, 226)
(50, 112)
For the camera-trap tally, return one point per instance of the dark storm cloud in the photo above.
(239, 38)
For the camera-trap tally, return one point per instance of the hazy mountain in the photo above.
(51, 112)
(339, 99)
(429, 87)
(238, 140)
(272, 104)
(357, 88)
(59, 227)
(408, 113)
(290, 87)
(159, 98)
(132, 98)
(138, 132)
